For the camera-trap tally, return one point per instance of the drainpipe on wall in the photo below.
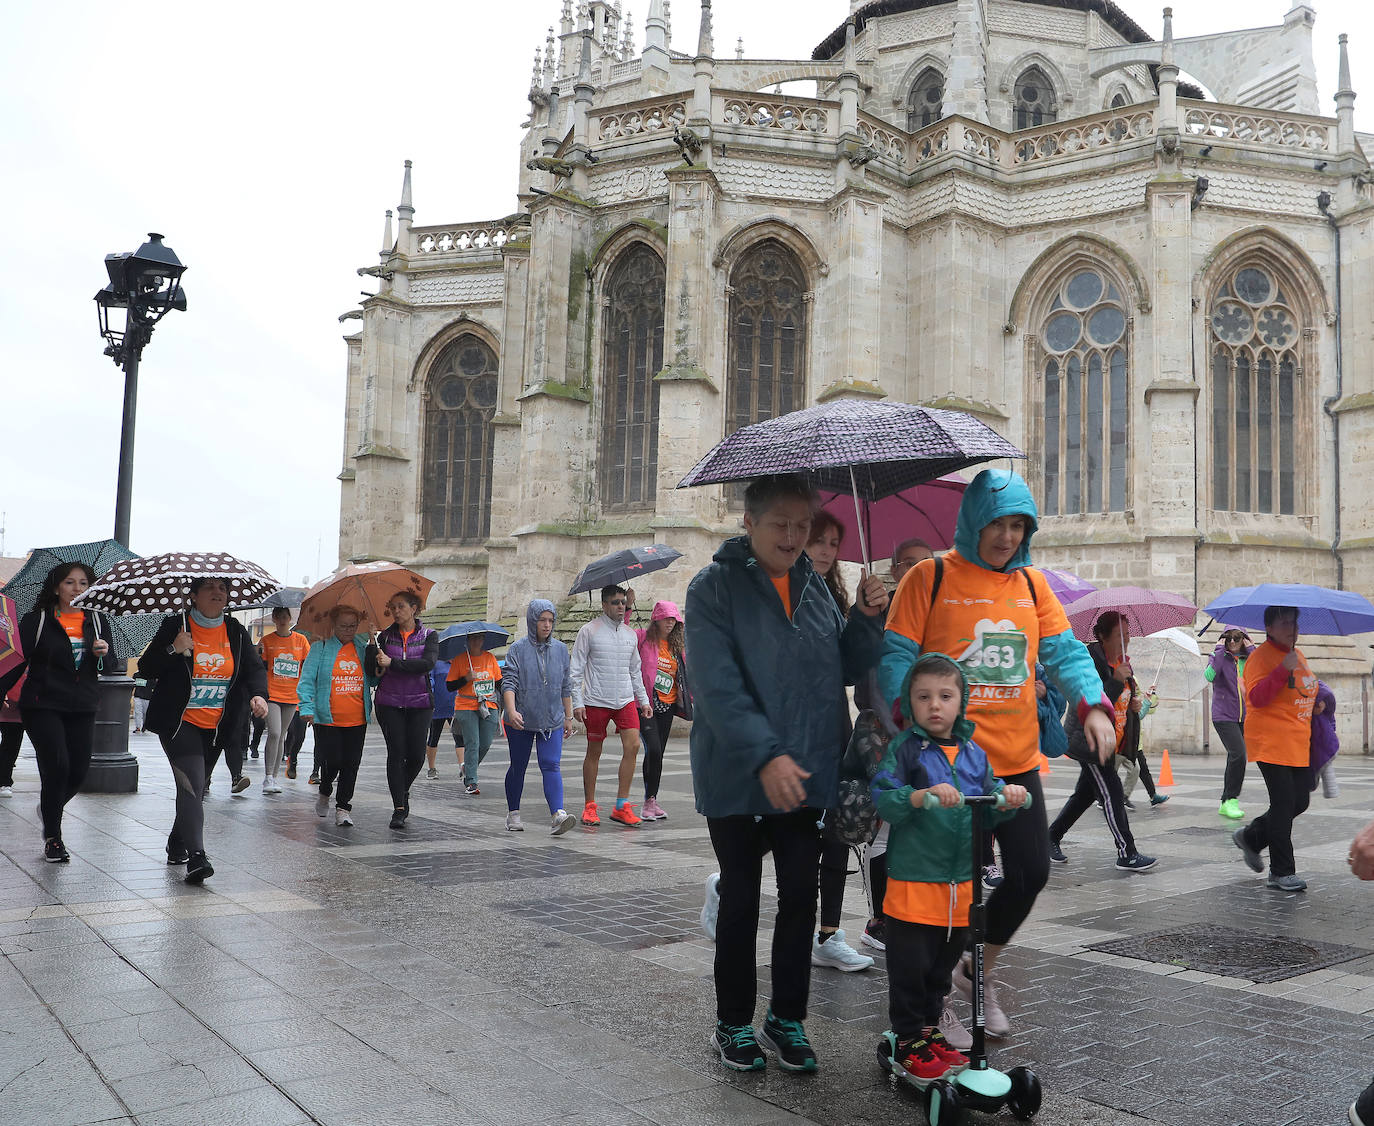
(1324, 206)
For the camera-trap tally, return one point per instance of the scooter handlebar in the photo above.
(932, 801)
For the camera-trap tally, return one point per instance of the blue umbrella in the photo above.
(1321, 610)
(454, 640)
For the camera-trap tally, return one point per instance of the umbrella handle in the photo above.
(1159, 670)
(859, 523)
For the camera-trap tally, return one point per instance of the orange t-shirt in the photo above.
(283, 657)
(936, 905)
(665, 679)
(212, 668)
(485, 674)
(74, 623)
(1123, 708)
(346, 688)
(783, 585)
(1280, 732)
(988, 623)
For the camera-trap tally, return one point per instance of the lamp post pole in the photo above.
(124, 489)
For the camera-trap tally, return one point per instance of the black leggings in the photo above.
(1290, 790)
(436, 729)
(189, 750)
(340, 753)
(405, 731)
(11, 738)
(920, 963)
(654, 734)
(835, 856)
(295, 738)
(62, 744)
(1024, 842)
(1097, 783)
(1233, 739)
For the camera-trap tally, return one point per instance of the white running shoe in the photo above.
(513, 824)
(6, 791)
(343, 817)
(836, 953)
(959, 1037)
(562, 822)
(710, 910)
(269, 786)
(995, 1022)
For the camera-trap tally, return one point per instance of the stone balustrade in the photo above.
(804, 116)
(1209, 121)
(463, 238)
(639, 119)
(1080, 136)
(890, 145)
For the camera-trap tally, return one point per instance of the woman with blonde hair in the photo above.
(664, 667)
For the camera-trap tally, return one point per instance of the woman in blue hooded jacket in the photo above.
(536, 690)
(985, 607)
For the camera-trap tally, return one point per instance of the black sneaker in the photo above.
(198, 868)
(1252, 856)
(1057, 853)
(738, 1047)
(253, 754)
(1136, 862)
(398, 819)
(177, 856)
(314, 778)
(55, 852)
(787, 1039)
(1362, 1109)
(290, 769)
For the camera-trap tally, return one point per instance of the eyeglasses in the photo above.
(616, 602)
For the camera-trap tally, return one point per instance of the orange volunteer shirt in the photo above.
(931, 904)
(988, 623)
(486, 675)
(665, 679)
(1280, 732)
(74, 625)
(283, 657)
(212, 668)
(346, 689)
(783, 586)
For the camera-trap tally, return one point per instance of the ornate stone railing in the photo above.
(891, 146)
(1082, 135)
(929, 143)
(1256, 127)
(465, 237)
(637, 119)
(781, 112)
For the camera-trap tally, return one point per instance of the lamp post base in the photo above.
(113, 769)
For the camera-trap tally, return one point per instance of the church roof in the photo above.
(1126, 27)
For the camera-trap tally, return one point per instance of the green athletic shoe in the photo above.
(787, 1039)
(1231, 808)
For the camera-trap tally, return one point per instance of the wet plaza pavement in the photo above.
(456, 973)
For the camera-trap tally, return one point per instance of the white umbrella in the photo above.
(1170, 643)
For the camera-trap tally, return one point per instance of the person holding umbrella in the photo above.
(205, 666)
(401, 658)
(473, 677)
(663, 665)
(336, 700)
(1225, 672)
(443, 714)
(1280, 690)
(771, 655)
(63, 648)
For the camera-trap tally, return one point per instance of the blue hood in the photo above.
(994, 493)
(536, 607)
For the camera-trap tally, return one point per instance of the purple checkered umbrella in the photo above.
(161, 584)
(1067, 586)
(1146, 611)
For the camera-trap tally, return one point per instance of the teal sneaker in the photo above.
(738, 1047)
(787, 1040)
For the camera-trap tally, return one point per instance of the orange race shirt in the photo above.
(212, 668)
(936, 905)
(74, 623)
(283, 657)
(1123, 708)
(665, 679)
(346, 689)
(988, 623)
(485, 674)
(1280, 732)
(783, 586)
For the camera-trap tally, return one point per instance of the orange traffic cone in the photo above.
(1166, 773)
(1044, 765)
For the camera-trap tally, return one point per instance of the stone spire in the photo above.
(1168, 81)
(739, 47)
(537, 76)
(405, 212)
(966, 85)
(656, 39)
(668, 19)
(388, 242)
(705, 46)
(849, 82)
(1345, 102)
(627, 37)
(549, 57)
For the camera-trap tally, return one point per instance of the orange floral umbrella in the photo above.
(367, 588)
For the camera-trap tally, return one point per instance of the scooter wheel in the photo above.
(1024, 1100)
(884, 1053)
(942, 1105)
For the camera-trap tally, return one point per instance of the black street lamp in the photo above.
(144, 287)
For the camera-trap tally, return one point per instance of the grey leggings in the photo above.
(188, 750)
(279, 718)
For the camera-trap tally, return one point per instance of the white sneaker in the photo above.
(959, 1037)
(343, 817)
(513, 824)
(995, 1022)
(836, 953)
(710, 910)
(6, 791)
(562, 822)
(269, 786)
(322, 805)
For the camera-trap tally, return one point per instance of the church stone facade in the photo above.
(1148, 262)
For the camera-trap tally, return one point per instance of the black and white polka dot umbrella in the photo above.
(161, 584)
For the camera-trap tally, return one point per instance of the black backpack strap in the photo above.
(1025, 574)
(935, 583)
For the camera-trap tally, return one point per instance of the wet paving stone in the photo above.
(619, 922)
(497, 864)
(1214, 949)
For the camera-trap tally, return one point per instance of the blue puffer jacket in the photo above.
(538, 673)
(764, 686)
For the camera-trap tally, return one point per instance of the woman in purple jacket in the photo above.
(402, 657)
(1224, 673)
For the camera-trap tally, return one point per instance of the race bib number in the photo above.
(208, 693)
(485, 688)
(663, 682)
(997, 655)
(286, 667)
(78, 650)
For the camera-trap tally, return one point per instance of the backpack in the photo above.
(856, 820)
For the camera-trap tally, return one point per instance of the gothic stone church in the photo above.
(1147, 261)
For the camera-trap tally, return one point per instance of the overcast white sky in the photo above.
(265, 141)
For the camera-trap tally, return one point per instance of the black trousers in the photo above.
(835, 856)
(340, 753)
(1289, 793)
(794, 839)
(191, 753)
(1232, 736)
(233, 758)
(295, 739)
(406, 731)
(11, 738)
(62, 744)
(258, 727)
(920, 964)
(1096, 783)
(1024, 842)
(653, 733)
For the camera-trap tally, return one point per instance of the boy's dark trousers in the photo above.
(920, 962)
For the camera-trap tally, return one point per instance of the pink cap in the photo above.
(665, 609)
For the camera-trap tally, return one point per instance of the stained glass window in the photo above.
(767, 335)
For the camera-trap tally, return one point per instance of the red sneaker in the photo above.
(626, 815)
(956, 1059)
(589, 817)
(919, 1060)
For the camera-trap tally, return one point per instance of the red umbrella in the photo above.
(928, 512)
(1146, 611)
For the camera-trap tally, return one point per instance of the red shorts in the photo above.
(600, 719)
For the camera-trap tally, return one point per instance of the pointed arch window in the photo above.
(460, 403)
(632, 355)
(1254, 334)
(1084, 367)
(925, 100)
(1034, 101)
(768, 335)
(1118, 100)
